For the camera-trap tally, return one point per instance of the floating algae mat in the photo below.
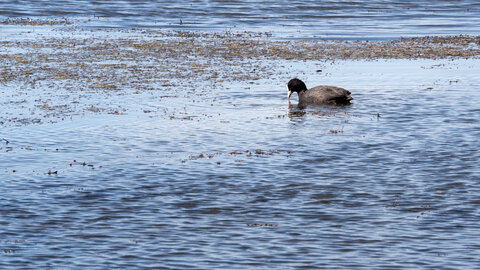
(49, 74)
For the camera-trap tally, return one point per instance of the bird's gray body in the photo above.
(324, 94)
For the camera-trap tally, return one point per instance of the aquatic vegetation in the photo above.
(35, 21)
(262, 225)
(72, 68)
(246, 153)
(336, 131)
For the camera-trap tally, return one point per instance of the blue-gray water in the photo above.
(376, 19)
(235, 178)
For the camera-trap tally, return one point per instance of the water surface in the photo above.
(378, 19)
(391, 181)
(189, 168)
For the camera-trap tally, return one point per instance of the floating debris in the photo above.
(35, 22)
(424, 208)
(336, 131)
(246, 153)
(89, 63)
(261, 225)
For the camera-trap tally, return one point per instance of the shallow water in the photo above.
(239, 179)
(215, 172)
(378, 19)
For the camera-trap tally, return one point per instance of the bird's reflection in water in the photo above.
(296, 112)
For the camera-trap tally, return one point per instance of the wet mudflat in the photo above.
(178, 149)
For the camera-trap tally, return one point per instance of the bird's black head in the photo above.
(295, 85)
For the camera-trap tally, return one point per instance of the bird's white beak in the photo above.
(289, 92)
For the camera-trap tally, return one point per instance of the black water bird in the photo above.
(322, 94)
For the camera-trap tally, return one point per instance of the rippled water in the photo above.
(391, 181)
(235, 177)
(287, 19)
